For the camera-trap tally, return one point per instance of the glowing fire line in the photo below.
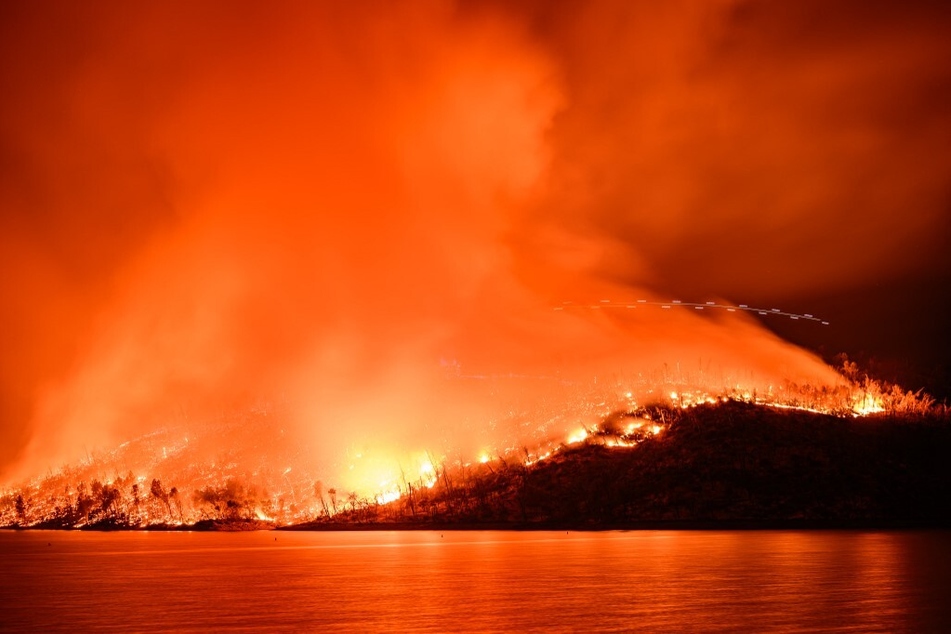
(144, 501)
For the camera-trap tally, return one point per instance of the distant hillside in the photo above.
(725, 463)
(722, 464)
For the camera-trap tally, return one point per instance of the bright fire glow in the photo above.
(316, 264)
(388, 496)
(577, 436)
(188, 491)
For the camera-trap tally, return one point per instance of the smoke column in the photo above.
(342, 206)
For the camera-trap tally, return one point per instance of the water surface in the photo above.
(786, 581)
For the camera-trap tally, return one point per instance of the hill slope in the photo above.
(724, 463)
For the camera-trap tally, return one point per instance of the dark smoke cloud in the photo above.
(340, 205)
(755, 149)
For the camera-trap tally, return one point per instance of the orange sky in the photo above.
(202, 206)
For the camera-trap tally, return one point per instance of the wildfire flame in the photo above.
(84, 494)
(447, 251)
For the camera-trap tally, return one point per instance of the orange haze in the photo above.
(346, 208)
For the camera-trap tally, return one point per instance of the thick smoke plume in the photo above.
(359, 211)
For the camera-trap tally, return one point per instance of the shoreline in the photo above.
(652, 525)
(647, 525)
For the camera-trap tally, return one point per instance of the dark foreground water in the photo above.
(892, 581)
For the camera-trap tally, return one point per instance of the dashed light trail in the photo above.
(608, 304)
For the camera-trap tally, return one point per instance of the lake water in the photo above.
(663, 581)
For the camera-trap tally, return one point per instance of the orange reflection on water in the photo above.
(778, 581)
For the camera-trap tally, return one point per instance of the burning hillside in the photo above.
(295, 261)
(249, 466)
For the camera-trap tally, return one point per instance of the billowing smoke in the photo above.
(370, 212)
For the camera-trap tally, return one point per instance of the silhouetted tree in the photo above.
(20, 506)
(110, 502)
(137, 516)
(84, 504)
(209, 503)
(319, 494)
(158, 492)
(173, 496)
(233, 509)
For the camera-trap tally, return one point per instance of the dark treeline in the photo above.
(723, 463)
(123, 502)
(127, 503)
(729, 463)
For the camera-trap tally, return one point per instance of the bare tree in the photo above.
(21, 510)
(159, 493)
(137, 518)
(177, 499)
(319, 494)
